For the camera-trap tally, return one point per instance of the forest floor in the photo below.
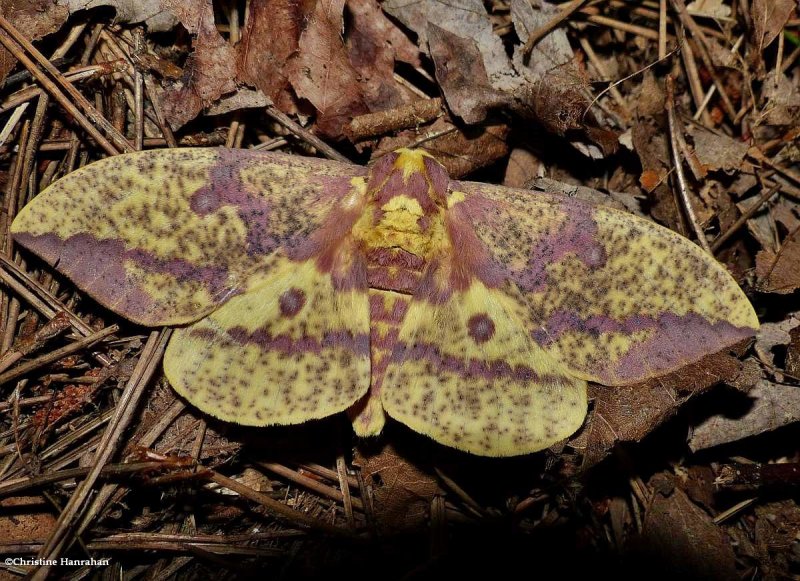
(683, 112)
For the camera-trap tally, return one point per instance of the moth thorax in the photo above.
(411, 173)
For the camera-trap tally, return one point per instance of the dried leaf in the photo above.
(269, 39)
(462, 76)
(769, 18)
(403, 491)
(680, 541)
(782, 98)
(650, 180)
(786, 213)
(650, 144)
(373, 44)
(553, 54)
(209, 70)
(709, 8)
(793, 353)
(150, 12)
(766, 407)
(522, 168)
(629, 413)
(779, 272)
(322, 73)
(761, 225)
(555, 94)
(776, 528)
(464, 18)
(718, 152)
(771, 335)
(243, 98)
(34, 19)
(461, 151)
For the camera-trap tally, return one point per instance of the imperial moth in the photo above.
(472, 313)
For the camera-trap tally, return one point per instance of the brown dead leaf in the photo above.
(462, 76)
(523, 166)
(771, 335)
(650, 180)
(742, 184)
(476, 75)
(34, 19)
(766, 407)
(709, 8)
(761, 225)
(373, 44)
(553, 53)
(786, 213)
(698, 483)
(150, 12)
(779, 272)
(629, 413)
(650, 144)
(718, 152)
(461, 151)
(269, 39)
(680, 541)
(650, 99)
(769, 18)
(464, 18)
(209, 70)
(555, 90)
(242, 98)
(321, 71)
(782, 100)
(403, 491)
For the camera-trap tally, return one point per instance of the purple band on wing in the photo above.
(678, 340)
(225, 188)
(450, 364)
(578, 237)
(99, 267)
(357, 344)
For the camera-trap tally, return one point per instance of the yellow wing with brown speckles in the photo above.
(255, 245)
(164, 237)
(293, 349)
(466, 372)
(615, 298)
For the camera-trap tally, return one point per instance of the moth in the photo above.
(472, 313)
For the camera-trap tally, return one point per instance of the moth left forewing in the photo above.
(615, 298)
(255, 245)
(164, 237)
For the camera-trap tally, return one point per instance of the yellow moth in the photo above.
(301, 288)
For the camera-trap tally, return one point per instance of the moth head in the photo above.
(409, 173)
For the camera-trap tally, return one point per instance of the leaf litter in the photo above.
(580, 110)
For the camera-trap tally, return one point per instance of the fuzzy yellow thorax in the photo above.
(394, 217)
